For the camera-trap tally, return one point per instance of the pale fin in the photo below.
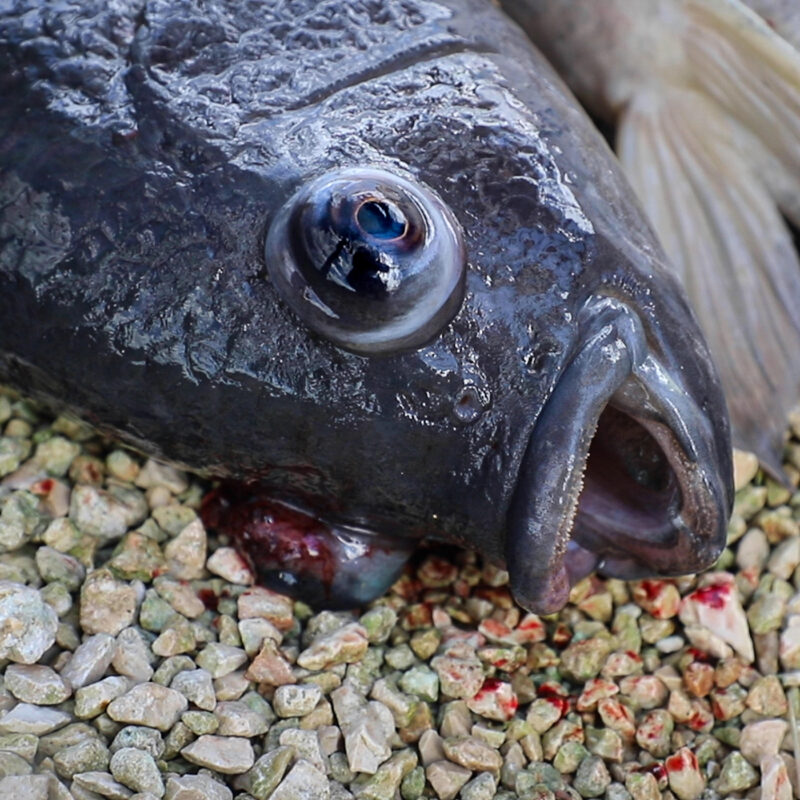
(723, 232)
(754, 75)
(783, 16)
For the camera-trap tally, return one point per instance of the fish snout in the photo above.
(622, 472)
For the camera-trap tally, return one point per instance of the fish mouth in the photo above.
(621, 473)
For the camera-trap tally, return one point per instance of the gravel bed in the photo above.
(139, 661)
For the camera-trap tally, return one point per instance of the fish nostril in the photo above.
(468, 406)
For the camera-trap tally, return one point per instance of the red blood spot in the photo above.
(683, 759)
(494, 628)
(652, 589)
(699, 655)
(697, 721)
(209, 598)
(550, 689)
(657, 771)
(530, 624)
(562, 635)
(43, 487)
(714, 596)
(490, 685)
(93, 473)
(556, 695)
(633, 656)
(614, 710)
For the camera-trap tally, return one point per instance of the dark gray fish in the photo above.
(369, 255)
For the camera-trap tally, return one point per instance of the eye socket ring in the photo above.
(369, 260)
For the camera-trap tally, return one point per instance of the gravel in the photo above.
(139, 661)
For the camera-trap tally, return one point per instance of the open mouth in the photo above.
(620, 474)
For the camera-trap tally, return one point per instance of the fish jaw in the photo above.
(622, 472)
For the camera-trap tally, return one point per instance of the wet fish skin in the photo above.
(145, 149)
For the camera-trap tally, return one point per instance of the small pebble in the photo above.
(27, 624)
(137, 770)
(149, 704)
(296, 700)
(35, 683)
(229, 755)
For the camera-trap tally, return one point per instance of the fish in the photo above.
(702, 98)
(371, 262)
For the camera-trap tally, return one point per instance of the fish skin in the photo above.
(144, 149)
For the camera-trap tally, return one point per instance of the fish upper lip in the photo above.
(621, 471)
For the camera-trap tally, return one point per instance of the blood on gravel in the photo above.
(714, 596)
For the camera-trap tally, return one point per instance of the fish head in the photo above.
(502, 357)
(400, 285)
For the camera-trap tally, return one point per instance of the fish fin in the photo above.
(782, 16)
(754, 75)
(722, 230)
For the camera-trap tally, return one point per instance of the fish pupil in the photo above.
(381, 220)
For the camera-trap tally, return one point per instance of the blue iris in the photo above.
(380, 220)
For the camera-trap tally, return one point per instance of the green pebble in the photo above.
(584, 659)
(176, 740)
(170, 667)
(137, 557)
(154, 613)
(56, 454)
(728, 734)
(412, 786)
(13, 452)
(56, 566)
(592, 777)
(749, 501)
(604, 742)
(378, 623)
(229, 631)
(86, 756)
(546, 774)
(20, 520)
(569, 757)
(12, 764)
(384, 784)
(736, 775)
(174, 517)
(400, 657)
(421, 681)
(526, 787)
(263, 777)
(200, 722)
(24, 745)
(341, 772)
(426, 643)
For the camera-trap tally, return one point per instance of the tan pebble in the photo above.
(775, 783)
(745, 467)
(716, 606)
(761, 739)
(446, 778)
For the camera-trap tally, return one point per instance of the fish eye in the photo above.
(370, 260)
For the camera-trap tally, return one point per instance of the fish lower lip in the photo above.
(620, 473)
